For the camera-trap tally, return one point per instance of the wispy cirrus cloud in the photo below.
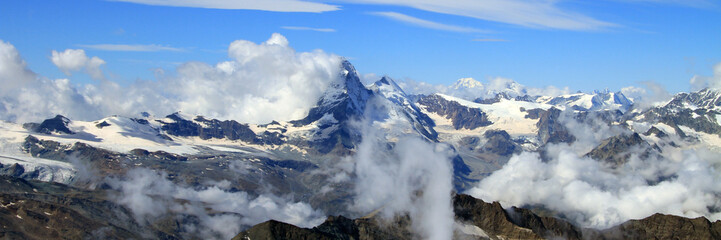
(490, 40)
(534, 14)
(308, 29)
(424, 23)
(273, 6)
(688, 3)
(131, 47)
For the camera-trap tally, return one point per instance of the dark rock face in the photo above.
(333, 228)
(461, 116)
(616, 150)
(533, 113)
(102, 124)
(38, 210)
(14, 170)
(661, 226)
(58, 124)
(515, 223)
(160, 155)
(656, 132)
(499, 142)
(491, 217)
(550, 130)
(701, 120)
(498, 223)
(214, 128)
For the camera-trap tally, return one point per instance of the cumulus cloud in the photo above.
(650, 94)
(592, 194)
(221, 214)
(72, 60)
(414, 177)
(28, 97)
(701, 82)
(13, 69)
(260, 83)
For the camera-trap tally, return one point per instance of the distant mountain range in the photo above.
(59, 168)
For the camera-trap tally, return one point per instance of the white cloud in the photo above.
(535, 14)
(490, 40)
(13, 69)
(131, 48)
(590, 193)
(424, 23)
(700, 82)
(260, 83)
(221, 214)
(308, 29)
(415, 177)
(72, 60)
(27, 97)
(274, 5)
(650, 94)
(690, 3)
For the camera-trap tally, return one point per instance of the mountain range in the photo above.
(68, 178)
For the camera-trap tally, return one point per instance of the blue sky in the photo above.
(584, 45)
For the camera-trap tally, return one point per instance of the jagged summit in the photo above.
(707, 98)
(387, 84)
(402, 113)
(345, 98)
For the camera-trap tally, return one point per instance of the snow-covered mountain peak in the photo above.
(386, 84)
(707, 98)
(344, 98)
(467, 83)
(599, 100)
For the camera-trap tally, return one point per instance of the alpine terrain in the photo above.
(374, 161)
